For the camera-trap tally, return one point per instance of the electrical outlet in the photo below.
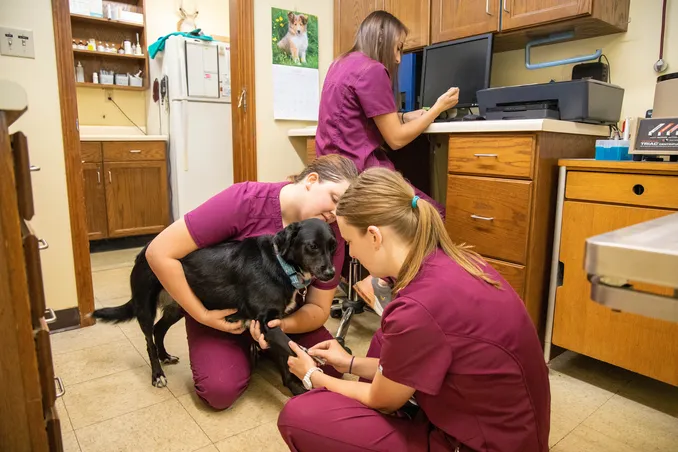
(108, 93)
(16, 42)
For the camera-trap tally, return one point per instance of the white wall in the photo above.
(42, 126)
(631, 54)
(276, 157)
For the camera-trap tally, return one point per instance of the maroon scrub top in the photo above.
(356, 89)
(248, 209)
(472, 354)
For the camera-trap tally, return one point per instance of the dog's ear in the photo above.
(283, 240)
(290, 16)
(304, 19)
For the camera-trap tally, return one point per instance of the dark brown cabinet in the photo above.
(415, 15)
(348, 14)
(462, 18)
(126, 188)
(525, 13)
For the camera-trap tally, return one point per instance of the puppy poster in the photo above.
(296, 80)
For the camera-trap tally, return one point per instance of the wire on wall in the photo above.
(125, 114)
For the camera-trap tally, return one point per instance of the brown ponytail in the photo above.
(380, 197)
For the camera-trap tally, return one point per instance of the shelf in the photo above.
(99, 85)
(101, 21)
(108, 54)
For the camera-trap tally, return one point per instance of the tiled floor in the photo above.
(110, 404)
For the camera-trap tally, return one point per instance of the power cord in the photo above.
(125, 114)
(609, 68)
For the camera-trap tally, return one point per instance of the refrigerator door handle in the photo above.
(184, 122)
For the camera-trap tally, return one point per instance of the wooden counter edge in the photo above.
(614, 166)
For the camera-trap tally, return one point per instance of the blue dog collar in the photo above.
(294, 275)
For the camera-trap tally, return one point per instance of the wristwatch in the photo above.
(307, 378)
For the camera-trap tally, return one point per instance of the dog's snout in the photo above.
(328, 272)
(298, 32)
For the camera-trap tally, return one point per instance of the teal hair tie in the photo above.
(414, 202)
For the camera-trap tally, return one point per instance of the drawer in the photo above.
(22, 175)
(631, 189)
(123, 151)
(490, 214)
(36, 291)
(90, 151)
(45, 368)
(53, 427)
(513, 274)
(507, 156)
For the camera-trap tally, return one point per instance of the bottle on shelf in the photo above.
(75, 44)
(121, 49)
(101, 47)
(95, 78)
(79, 73)
(138, 47)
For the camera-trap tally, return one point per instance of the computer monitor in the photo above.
(464, 63)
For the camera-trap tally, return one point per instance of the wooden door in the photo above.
(627, 340)
(95, 201)
(462, 18)
(415, 14)
(525, 13)
(136, 197)
(348, 15)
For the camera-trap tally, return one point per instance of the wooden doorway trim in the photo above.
(241, 30)
(61, 16)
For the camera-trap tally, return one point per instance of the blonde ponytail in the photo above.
(381, 197)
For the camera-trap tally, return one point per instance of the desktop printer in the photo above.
(584, 100)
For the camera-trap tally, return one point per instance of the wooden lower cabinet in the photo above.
(126, 188)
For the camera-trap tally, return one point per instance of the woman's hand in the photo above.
(216, 319)
(302, 363)
(333, 353)
(255, 331)
(448, 100)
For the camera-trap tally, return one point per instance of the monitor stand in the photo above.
(453, 114)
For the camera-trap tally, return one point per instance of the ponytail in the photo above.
(382, 197)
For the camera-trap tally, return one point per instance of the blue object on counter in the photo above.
(408, 78)
(613, 150)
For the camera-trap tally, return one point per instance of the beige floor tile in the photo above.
(69, 441)
(561, 426)
(119, 393)
(114, 303)
(179, 378)
(653, 394)
(265, 437)
(107, 260)
(165, 427)
(65, 419)
(260, 404)
(584, 439)
(210, 448)
(175, 341)
(637, 425)
(594, 372)
(91, 336)
(94, 362)
(109, 284)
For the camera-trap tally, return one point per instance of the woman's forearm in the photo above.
(365, 367)
(397, 134)
(355, 390)
(172, 277)
(307, 318)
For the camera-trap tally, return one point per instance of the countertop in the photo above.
(518, 125)
(116, 133)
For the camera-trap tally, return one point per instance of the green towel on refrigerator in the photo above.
(159, 45)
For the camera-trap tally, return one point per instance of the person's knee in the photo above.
(220, 394)
(299, 411)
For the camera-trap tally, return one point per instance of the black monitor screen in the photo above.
(464, 63)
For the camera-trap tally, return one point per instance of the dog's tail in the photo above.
(117, 314)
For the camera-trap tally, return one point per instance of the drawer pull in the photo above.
(135, 151)
(110, 178)
(638, 189)
(478, 217)
(42, 244)
(52, 315)
(98, 177)
(487, 7)
(60, 385)
(506, 7)
(486, 155)
(34, 168)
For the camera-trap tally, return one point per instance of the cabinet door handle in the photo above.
(135, 151)
(52, 315)
(487, 8)
(506, 7)
(478, 217)
(60, 384)
(485, 155)
(98, 177)
(110, 178)
(42, 244)
(34, 168)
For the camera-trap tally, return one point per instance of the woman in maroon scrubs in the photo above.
(456, 346)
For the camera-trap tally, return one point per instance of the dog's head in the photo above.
(297, 23)
(310, 245)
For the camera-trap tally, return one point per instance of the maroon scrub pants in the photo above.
(325, 421)
(220, 361)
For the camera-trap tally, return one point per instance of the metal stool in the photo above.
(345, 308)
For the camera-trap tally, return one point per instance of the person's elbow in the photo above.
(383, 405)
(395, 142)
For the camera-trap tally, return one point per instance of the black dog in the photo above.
(248, 276)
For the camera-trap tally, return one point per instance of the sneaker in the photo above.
(375, 292)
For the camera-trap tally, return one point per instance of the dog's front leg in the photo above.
(302, 54)
(294, 50)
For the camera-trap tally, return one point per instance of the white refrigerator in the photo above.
(197, 119)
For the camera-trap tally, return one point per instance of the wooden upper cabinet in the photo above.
(454, 19)
(348, 15)
(525, 13)
(415, 14)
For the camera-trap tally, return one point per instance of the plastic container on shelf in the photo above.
(613, 150)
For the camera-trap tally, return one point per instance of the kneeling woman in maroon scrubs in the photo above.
(456, 345)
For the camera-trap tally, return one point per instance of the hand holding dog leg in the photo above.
(216, 319)
(333, 354)
(255, 332)
(300, 364)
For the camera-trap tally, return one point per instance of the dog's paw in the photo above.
(169, 359)
(160, 381)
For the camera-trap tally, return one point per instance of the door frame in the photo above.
(241, 31)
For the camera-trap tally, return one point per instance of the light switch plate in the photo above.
(16, 42)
